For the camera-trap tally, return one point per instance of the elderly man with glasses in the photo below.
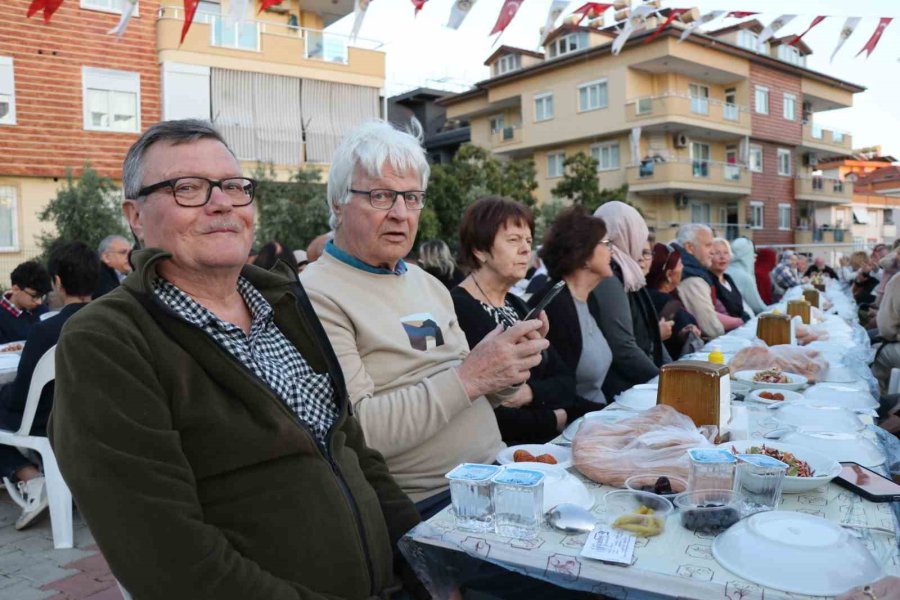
(424, 400)
(213, 455)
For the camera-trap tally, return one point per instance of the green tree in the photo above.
(84, 209)
(292, 212)
(580, 184)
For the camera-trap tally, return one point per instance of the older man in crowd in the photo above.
(213, 456)
(695, 242)
(424, 401)
(785, 275)
(114, 265)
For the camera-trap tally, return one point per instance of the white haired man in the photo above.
(695, 242)
(114, 266)
(423, 399)
(213, 456)
(785, 275)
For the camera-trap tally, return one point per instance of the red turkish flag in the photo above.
(419, 4)
(591, 9)
(815, 22)
(883, 22)
(673, 14)
(264, 4)
(190, 7)
(48, 6)
(507, 12)
(36, 5)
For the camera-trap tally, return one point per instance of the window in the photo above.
(699, 98)
(837, 137)
(497, 123)
(606, 155)
(731, 169)
(593, 95)
(509, 62)
(700, 159)
(700, 212)
(566, 44)
(114, 6)
(644, 106)
(756, 158)
(784, 162)
(749, 40)
(784, 217)
(762, 100)
(111, 99)
(9, 232)
(730, 111)
(791, 54)
(817, 131)
(790, 107)
(756, 215)
(555, 167)
(543, 107)
(7, 91)
(244, 35)
(889, 217)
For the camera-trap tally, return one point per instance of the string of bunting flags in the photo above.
(627, 18)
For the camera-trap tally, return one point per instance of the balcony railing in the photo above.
(816, 136)
(823, 189)
(688, 174)
(510, 134)
(676, 105)
(255, 36)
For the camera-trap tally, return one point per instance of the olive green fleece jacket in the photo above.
(195, 479)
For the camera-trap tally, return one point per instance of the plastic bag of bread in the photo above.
(654, 441)
(790, 359)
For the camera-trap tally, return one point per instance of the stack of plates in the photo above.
(837, 394)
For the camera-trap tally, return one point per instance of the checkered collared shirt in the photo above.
(266, 352)
(9, 306)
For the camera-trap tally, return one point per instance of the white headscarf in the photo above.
(626, 229)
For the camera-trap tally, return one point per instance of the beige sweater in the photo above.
(888, 318)
(696, 296)
(410, 401)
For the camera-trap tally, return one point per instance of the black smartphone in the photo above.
(867, 483)
(546, 300)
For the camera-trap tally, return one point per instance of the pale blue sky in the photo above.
(421, 51)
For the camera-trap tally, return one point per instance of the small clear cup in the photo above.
(470, 496)
(518, 502)
(711, 469)
(758, 482)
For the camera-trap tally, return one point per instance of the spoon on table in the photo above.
(571, 518)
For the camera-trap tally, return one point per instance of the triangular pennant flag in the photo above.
(507, 12)
(237, 12)
(766, 34)
(190, 7)
(846, 31)
(556, 9)
(359, 12)
(264, 4)
(590, 10)
(815, 22)
(883, 22)
(419, 4)
(707, 18)
(634, 22)
(35, 6)
(459, 12)
(741, 14)
(127, 11)
(50, 7)
(673, 14)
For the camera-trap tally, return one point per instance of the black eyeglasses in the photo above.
(384, 199)
(37, 297)
(196, 191)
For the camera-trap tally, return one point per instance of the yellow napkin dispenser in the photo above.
(701, 390)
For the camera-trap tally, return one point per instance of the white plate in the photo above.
(796, 552)
(561, 487)
(10, 360)
(842, 447)
(8, 344)
(818, 418)
(789, 396)
(605, 416)
(562, 455)
(637, 399)
(825, 468)
(797, 381)
(836, 394)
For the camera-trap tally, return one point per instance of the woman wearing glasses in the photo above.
(576, 251)
(495, 237)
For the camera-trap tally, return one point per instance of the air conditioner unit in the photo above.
(811, 159)
(681, 201)
(680, 140)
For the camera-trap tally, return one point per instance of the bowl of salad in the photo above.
(773, 378)
(807, 470)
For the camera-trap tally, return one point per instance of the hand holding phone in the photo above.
(545, 301)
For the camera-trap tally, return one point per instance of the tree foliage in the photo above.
(472, 173)
(580, 184)
(292, 212)
(85, 209)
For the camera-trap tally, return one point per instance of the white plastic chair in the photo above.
(894, 382)
(58, 493)
(123, 591)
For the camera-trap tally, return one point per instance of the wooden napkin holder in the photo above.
(812, 296)
(799, 308)
(774, 329)
(701, 390)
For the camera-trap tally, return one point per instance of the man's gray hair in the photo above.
(107, 242)
(173, 132)
(688, 233)
(368, 147)
(787, 254)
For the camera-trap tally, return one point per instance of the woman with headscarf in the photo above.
(765, 262)
(742, 273)
(627, 317)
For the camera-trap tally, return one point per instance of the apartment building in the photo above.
(707, 130)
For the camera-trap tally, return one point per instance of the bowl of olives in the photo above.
(708, 511)
(667, 486)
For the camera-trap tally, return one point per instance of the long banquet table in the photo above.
(678, 563)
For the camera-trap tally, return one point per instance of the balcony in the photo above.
(703, 177)
(506, 136)
(689, 111)
(826, 140)
(823, 189)
(267, 42)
